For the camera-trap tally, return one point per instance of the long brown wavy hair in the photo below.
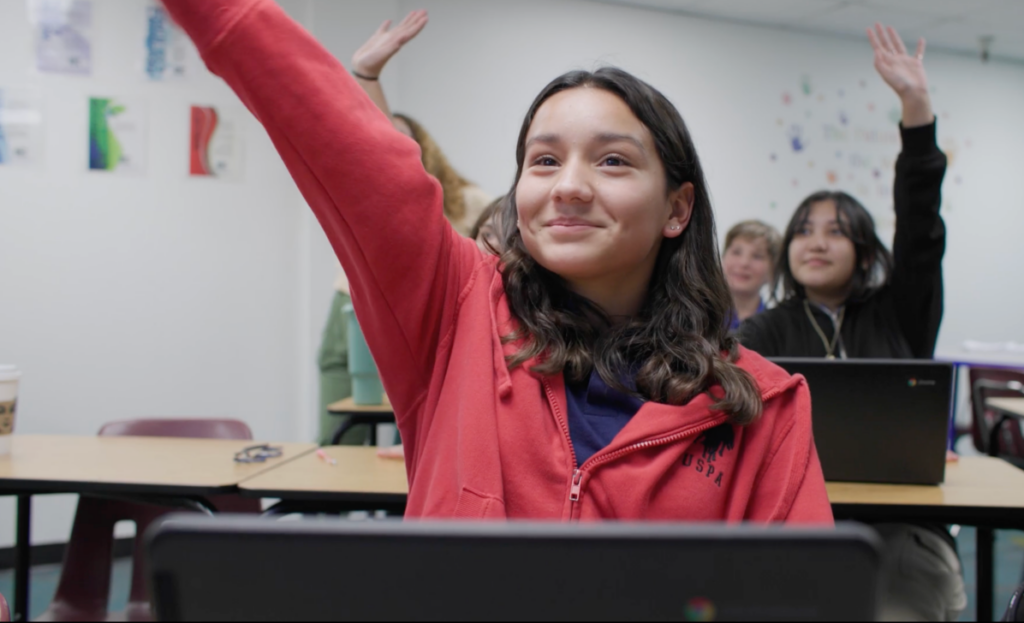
(436, 164)
(678, 345)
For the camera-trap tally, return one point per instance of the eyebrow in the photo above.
(604, 137)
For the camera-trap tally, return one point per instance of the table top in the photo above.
(987, 359)
(1010, 405)
(979, 491)
(132, 465)
(348, 405)
(358, 475)
(976, 483)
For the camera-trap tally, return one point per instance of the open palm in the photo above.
(370, 59)
(901, 71)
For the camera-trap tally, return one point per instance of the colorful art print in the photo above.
(166, 45)
(215, 146)
(62, 32)
(116, 137)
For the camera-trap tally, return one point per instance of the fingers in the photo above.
(876, 45)
(896, 42)
(414, 20)
(413, 15)
(412, 27)
(383, 27)
(886, 39)
(882, 39)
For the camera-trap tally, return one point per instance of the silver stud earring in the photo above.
(674, 228)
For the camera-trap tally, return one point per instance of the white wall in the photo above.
(153, 296)
(473, 72)
(168, 295)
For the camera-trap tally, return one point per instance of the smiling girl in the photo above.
(844, 294)
(585, 374)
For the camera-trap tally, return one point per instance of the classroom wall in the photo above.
(158, 295)
(166, 295)
(472, 74)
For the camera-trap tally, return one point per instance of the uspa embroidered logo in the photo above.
(699, 609)
(715, 441)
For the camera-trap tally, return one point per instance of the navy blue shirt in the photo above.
(596, 414)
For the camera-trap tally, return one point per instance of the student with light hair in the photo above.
(751, 251)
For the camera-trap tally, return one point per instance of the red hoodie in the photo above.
(482, 441)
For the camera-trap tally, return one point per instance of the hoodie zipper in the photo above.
(576, 483)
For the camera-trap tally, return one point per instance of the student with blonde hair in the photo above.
(751, 251)
(464, 204)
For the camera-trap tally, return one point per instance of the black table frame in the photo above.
(169, 495)
(358, 418)
(984, 519)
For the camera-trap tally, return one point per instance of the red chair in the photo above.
(84, 589)
(5, 612)
(995, 433)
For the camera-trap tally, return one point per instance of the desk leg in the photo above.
(984, 544)
(22, 558)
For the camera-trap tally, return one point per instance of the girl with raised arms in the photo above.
(586, 373)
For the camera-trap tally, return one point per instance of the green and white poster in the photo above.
(117, 136)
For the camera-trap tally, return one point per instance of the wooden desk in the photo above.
(369, 415)
(139, 467)
(348, 405)
(1012, 406)
(976, 484)
(981, 491)
(134, 465)
(359, 481)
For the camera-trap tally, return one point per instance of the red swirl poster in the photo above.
(215, 147)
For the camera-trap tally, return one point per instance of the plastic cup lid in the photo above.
(9, 373)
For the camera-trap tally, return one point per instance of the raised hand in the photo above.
(903, 72)
(369, 60)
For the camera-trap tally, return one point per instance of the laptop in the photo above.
(883, 421)
(257, 569)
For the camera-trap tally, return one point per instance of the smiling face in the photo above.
(821, 257)
(592, 203)
(747, 265)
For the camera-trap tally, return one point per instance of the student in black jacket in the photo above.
(835, 272)
(844, 295)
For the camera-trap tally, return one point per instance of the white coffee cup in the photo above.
(9, 376)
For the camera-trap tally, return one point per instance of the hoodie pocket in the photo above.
(474, 505)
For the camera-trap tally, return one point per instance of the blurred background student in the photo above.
(846, 296)
(464, 204)
(751, 251)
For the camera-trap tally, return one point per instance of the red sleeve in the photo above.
(791, 486)
(382, 213)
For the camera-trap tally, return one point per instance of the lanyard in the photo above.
(830, 347)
